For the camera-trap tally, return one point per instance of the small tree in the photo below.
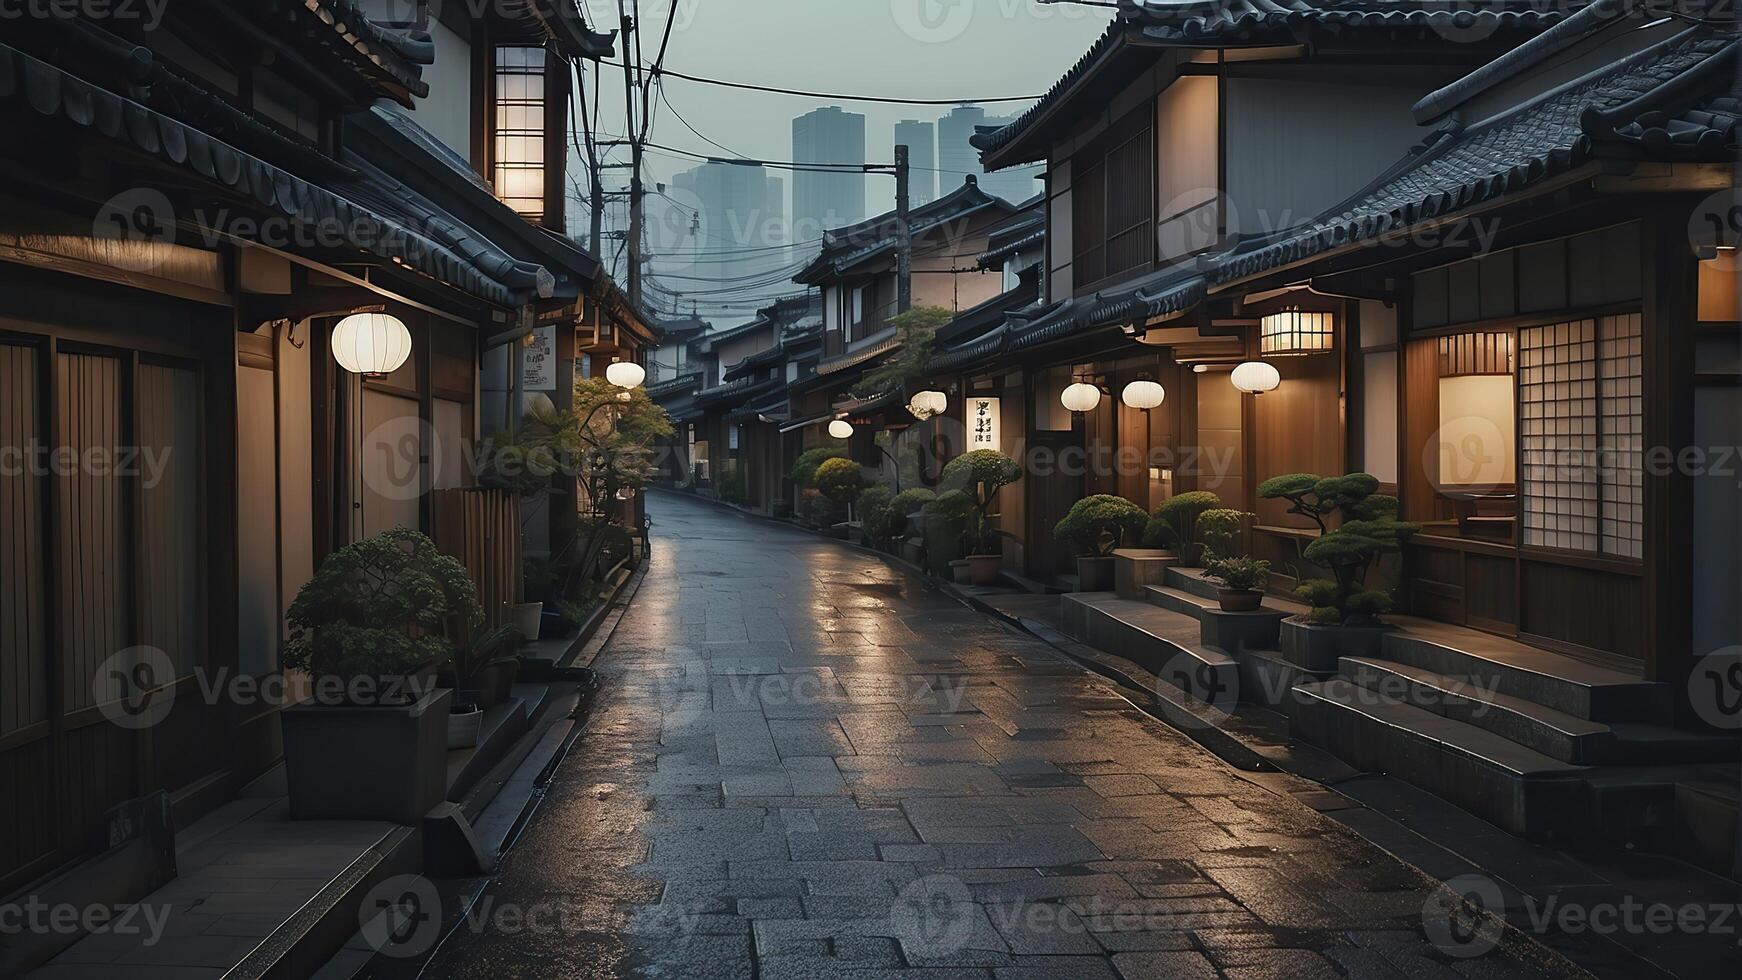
(946, 518)
(905, 505)
(1218, 528)
(1369, 528)
(1176, 521)
(874, 513)
(1097, 525)
(840, 480)
(981, 474)
(915, 333)
(804, 469)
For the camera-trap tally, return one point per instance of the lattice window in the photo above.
(1580, 434)
(1620, 395)
(520, 128)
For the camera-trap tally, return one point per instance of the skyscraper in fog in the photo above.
(922, 159)
(957, 157)
(827, 200)
(728, 252)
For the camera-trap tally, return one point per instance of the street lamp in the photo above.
(1080, 397)
(1143, 395)
(371, 344)
(1255, 377)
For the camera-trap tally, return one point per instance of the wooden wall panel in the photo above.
(30, 845)
(23, 605)
(1299, 429)
(1491, 592)
(1583, 607)
(169, 525)
(95, 608)
(1421, 419)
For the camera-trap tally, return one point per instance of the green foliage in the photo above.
(906, 504)
(915, 333)
(1218, 527)
(1097, 525)
(841, 480)
(874, 513)
(980, 474)
(1180, 514)
(816, 510)
(946, 517)
(1159, 534)
(1242, 574)
(951, 505)
(1325, 616)
(732, 486)
(804, 469)
(605, 440)
(485, 647)
(386, 606)
(1369, 529)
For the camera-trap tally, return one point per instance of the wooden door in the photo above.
(1050, 492)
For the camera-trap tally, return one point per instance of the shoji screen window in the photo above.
(520, 127)
(1580, 431)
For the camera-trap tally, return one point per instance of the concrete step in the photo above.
(1552, 732)
(1236, 633)
(1163, 642)
(1517, 788)
(1708, 822)
(1191, 580)
(1568, 685)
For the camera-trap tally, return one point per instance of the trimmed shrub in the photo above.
(874, 513)
(1218, 528)
(804, 469)
(840, 480)
(980, 474)
(1099, 524)
(906, 504)
(1179, 516)
(1369, 530)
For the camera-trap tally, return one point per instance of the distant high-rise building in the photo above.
(827, 200)
(958, 158)
(729, 251)
(922, 159)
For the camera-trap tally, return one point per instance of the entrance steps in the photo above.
(1543, 745)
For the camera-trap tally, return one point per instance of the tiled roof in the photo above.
(396, 56)
(443, 253)
(846, 247)
(886, 341)
(682, 382)
(733, 391)
(1234, 23)
(1630, 101)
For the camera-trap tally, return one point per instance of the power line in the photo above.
(777, 90)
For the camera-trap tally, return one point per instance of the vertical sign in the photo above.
(983, 428)
(538, 360)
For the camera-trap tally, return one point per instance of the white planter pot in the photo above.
(527, 619)
(463, 729)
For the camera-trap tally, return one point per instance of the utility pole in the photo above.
(904, 235)
(631, 59)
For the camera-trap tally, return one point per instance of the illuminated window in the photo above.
(520, 129)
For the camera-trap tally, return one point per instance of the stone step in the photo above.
(1163, 642)
(1552, 732)
(1572, 686)
(1233, 632)
(1517, 788)
(1191, 580)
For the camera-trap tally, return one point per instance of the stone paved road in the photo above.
(804, 764)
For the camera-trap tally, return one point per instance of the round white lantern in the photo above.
(926, 404)
(1143, 395)
(1255, 377)
(1081, 397)
(625, 374)
(1200, 368)
(371, 343)
(841, 429)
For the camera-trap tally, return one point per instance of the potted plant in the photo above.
(981, 474)
(946, 516)
(1093, 529)
(482, 673)
(370, 628)
(906, 536)
(1241, 580)
(1176, 522)
(840, 481)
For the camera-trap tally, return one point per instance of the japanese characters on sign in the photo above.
(538, 361)
(983, 424)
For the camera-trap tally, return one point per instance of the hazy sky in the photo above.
(931, 49)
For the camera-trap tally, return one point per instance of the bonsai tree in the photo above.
(1176, 520)
(1218, 528)
(874, 513)
(1241, 574)
(804, 469)
(841, 480)
(1369, 528)
(981, 474)
(915, 332)
(387, 606)
(905, 505)
(1097, 525)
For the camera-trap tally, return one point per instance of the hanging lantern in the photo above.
(1080, 397)
(626, 374)
(841, 429)
(1200, 368)
(1255, 377)
(1295, 331)
(371, 343)
(1143, 395)
(926, 404)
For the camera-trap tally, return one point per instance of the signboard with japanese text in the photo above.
(983, 424)
(538, 361)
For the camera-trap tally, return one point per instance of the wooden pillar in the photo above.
(1669, 317)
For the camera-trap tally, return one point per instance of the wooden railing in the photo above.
(481, 528)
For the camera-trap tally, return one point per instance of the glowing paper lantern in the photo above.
(926, 404)
(841, 429)
(1143, 395)
(1255, 377)
(1295, 331)
(371, 343)
(625, 374)
(1080, 397)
